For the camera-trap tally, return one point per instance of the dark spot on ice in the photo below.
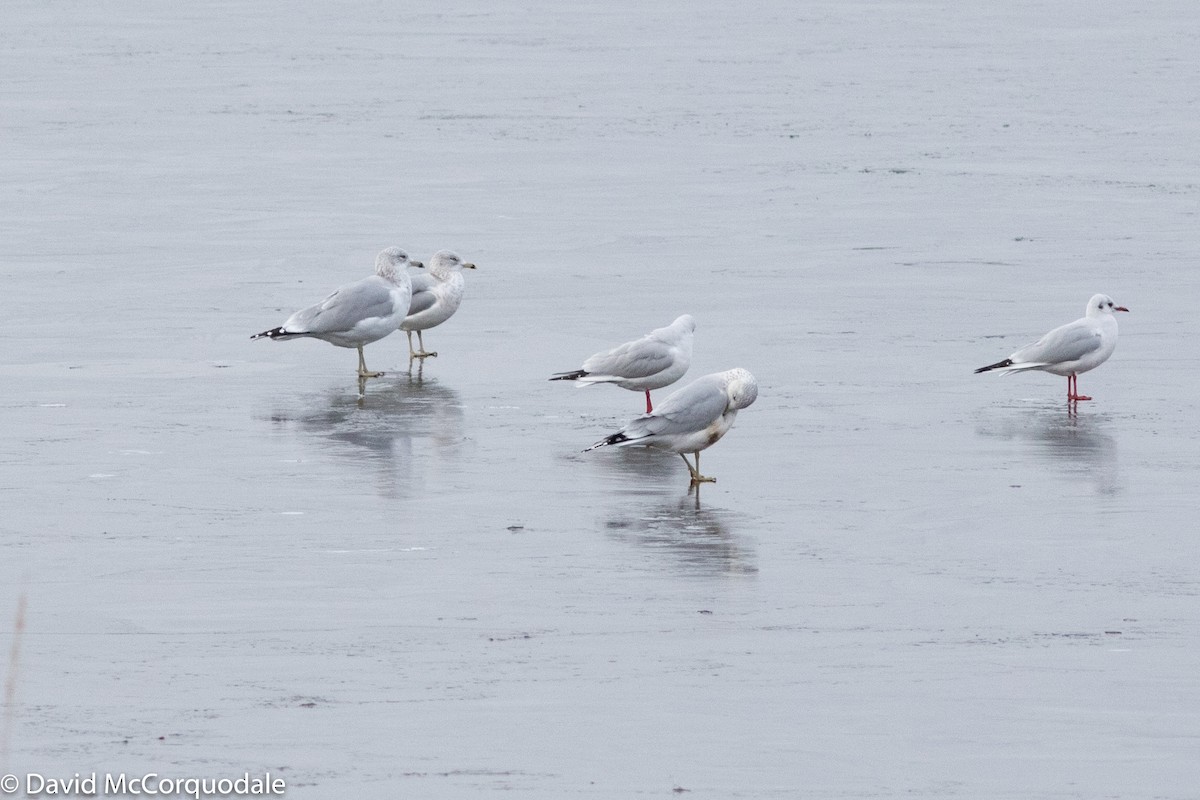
(704, 611)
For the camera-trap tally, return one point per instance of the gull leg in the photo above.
(691, 469)
(697, 478)
(363, 372)
(1073, 394)
(424, 352)
(649, 407)
(420, 353)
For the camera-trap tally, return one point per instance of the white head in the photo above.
(445, 262)
(390, 262)
(741, 387)
(686, 322)
(1101, 304)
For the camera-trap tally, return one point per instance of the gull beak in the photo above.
(1121, 308)
(417, 264)
(469, 265)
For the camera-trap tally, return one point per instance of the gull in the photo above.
(658, 359)
(691, 419)
(1070, 349)
(436, 295)
(358, 313)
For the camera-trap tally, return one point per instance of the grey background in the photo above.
(909, 581)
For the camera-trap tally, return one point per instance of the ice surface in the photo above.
(909, 581)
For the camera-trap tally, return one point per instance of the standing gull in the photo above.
(436, 295)
(691, 419)
(658, 359)
(1070, 349)
(358, 313)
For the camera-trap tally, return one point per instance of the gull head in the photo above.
(445, 262)
(1102, 304)
(741, 387)
(686, 323)
(389, 262)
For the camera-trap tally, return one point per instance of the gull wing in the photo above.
(692, 408)
(1062, 345)
(345, 308)
(639, 359)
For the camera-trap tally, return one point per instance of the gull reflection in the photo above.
(1079, 446)
(697, 540)
(642, 470)
(407, 429)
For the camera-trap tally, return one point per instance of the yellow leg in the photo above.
(421, 354)
(695, 471)
(363, 372)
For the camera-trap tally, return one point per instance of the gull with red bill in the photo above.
(1070, 349)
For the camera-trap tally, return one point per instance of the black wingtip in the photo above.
(568, 376)
(998, 365)
(616, 438)
(274, 333)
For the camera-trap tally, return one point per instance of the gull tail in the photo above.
(1008, 362)
(1023, 366)
(616, 438)
(591, 379)
(277, 333)
(568, 376)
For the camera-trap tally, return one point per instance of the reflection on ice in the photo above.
(1077, 444)
(403, 419)
(698, 540)
(643, 470)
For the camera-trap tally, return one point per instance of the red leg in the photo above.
(649, 407)
(1073, 394)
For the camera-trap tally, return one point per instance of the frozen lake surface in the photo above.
(908, 581)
